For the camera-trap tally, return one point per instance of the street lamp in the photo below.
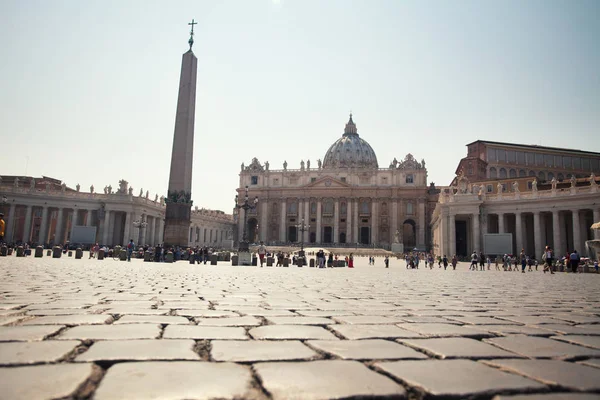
(245, 205)
(302, 227)
(140, 224)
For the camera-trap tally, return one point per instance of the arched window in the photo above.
(292, 208)
(512, 173)
(343, 208)
(409, 208)
(560, 177)
(550, 176)
(409, 178)
(542, 176)
(522, 173)
(328, 207)
(383, 208)
(493, 173)
(364, 207)
(532, 173)
(502, 173)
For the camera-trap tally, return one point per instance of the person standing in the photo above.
(330, 260)
(351, 261)
(262, 250)
(130, 248)
(575, 259)
(454, 262)
(481, 261)
(2, 227)
(523, 260)
(548, 258)
(386, 261)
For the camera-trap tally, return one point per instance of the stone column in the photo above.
(374, 222)
(319, 204)
(336, 221)
(88, 218)
(263, 221)
(143, 231)
(422, 224)
(537, 236)
(241, 226)
(44, 226)
(355, 226)
(111, 238)
(349, 221)
(306, 219)
(151, 229)
(394, 226)
(558, 250)
(161, 230)
(476, 232)
(577, 232)
(300, 213)
(596, 212)
(500, 222)
(75, 219)
(518, 233)
(10, 224)
(58, 236)
(27, 225)
(106, 227)
(452, 229)
(127, 231)
(282, 227)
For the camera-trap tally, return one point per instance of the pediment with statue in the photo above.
(409, 163)
(327, 182)
(123, 186)
(255, 166)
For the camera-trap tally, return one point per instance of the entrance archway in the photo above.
(252, 230)
(409, 234)
(343, 237)
(313, 237)
(365, 235)
(292, 234)
(327, 234)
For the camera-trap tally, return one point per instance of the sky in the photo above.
(88, 89)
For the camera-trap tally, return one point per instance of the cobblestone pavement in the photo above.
(116, 330)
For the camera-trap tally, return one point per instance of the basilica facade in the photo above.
(346, 199)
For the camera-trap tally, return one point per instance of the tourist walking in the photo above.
(330, 261)
(575, 259)
(262, 250)
(481, 261)
(130, 248)
(523, 260)
(473, 266)
(351, 261)
(548, 257)
(454, 262)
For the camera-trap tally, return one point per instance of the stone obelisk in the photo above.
(179, 203)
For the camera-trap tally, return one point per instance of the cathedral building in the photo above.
(347, 199)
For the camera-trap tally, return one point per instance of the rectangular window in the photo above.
(548, 160)
(313, 220)
(557, 162)
(529, 185)
(567, 162)
(529, 158)
(595, 164)
(491, 155)
(343, 179)
(539, 159)
(511, 156)
(490, 188)
(585, 164)
(504, 187)
(254, 180)
(313, 180)
(576, 163)
(343, 220)
(520, 157)
(365, 221)
(501, 155)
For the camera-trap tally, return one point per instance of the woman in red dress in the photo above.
(351, 261)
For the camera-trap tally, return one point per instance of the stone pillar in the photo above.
(394, 226)
(143, 231)
(537, 236)
(452, 229)
(282, 227)
(88, 218)
(577, 232)
(127, 231)
(422, 224)
(518, 233)
(150, 236)
(111, 231)
(319, 201)
(263, 220)
(500, 222)
(44, 226)
(349, 221)
(558, 250)
(336, 221)
(241, 227)
(58, 235)
(161, 230)
(596, 219)
(300, 213)
(306, 219)
(107, 226)
(75, 219)
(476, 232)
(27, 225)
(374, 222)
(10, 224)
(355, 226)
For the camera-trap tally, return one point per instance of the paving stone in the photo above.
(11, 319)
(135, 311)
(427, 320)
(573, 329)
(504, 330)
(592, 362)
(111, 332)
(232, 321)
(176, 380)
(578, 319)
(480, 320)
(456, 377)
(587, 341)
(373, 349)
(319, 313)
(26, 333)
(554, 372)
(152, 319)
(367, 319)
(204, 332)
(354, 332)
(252, 351)
(206, 313)
(537, 347)
(140, 350)
(551, 396)
(300, 321)
(298, 332)
(328, 379)
(445, 330)
(80, 319)
(42, 381)
(14, 353)
(529, 319)
(265, 313)
(458, 348)
(63, 311)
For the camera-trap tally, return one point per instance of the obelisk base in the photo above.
(177, 224)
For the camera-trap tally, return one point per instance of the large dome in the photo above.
(350, 151)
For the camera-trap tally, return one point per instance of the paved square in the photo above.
(136, 330)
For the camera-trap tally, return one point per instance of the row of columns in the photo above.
(204, 236)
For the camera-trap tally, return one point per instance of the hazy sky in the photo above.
(88, 89)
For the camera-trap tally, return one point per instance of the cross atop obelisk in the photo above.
(191, 41)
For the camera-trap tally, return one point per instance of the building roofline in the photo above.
(535, 146)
